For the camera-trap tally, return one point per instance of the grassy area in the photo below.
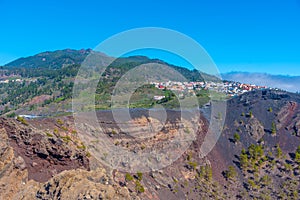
(143, 97)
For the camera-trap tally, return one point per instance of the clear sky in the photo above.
(248, 35)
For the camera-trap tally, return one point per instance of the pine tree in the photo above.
(278, 151)
(236, 137)
(273, 129)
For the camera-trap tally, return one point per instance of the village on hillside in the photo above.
(229, 88)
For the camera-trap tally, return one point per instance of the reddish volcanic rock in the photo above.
(44, 156)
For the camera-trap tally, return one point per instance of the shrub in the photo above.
(11, 115)
(278, 151)
(236, 137)
(250, 114)
(266, 180)
(128, 177)
(32, 107)
(297, 155)
(64, 128)
(273, 128)
(298, 149)
(140, 176)
(83, 147)
(244, 151)
(230, 173)
(139, 188)
(66, 138)
(243, 161)
(22, 120)
(59, 121)
(208, 170)
(55, 131)
(288, 167)
(175, 180)
(252, 184)
(88, 154)
(49, 134)
(187, 130)
(193, 164)
(255, 151)
(189, 156)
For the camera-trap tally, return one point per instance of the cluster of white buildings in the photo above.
(179, 86)
(233, 88)
(229, 88)
(13, 80)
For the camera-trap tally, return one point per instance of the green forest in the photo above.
(29, 78)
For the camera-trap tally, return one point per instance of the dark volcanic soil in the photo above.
(284, 112)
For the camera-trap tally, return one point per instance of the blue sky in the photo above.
(253, 36)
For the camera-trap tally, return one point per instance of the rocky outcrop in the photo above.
(255, 129)
(81, 184)
(289, 118)
(296, 126)
(69, 184)
(44, 156)
(13, 173)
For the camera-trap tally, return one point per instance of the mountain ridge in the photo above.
(57, 59)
